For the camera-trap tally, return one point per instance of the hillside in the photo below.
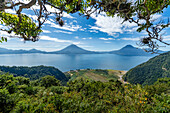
(35, 72)
(129, 50)
(150, 71)
(95, 74)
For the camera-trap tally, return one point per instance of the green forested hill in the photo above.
(150, 71)
(35, 72)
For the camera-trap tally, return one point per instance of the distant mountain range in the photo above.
(9, 51)
(128, 50)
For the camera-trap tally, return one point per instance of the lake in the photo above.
(66, 62)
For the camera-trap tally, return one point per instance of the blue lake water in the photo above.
(71, 62)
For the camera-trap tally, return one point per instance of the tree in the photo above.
(48, 81)
(136, 11)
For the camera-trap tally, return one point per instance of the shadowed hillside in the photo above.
(35, 72)
(150, 71)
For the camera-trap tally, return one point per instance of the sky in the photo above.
(98, 33)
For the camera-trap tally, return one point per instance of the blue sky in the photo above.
(99, 33)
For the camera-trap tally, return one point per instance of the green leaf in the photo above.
(2, 38)
(5, 39)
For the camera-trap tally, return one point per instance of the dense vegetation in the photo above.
(35, 72)
(94, 74)
(150, 71)
(19, 94)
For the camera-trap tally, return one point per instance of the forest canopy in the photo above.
(133, 11)
(21, 95)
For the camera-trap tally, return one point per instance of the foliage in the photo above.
(150, 71)
(3, 39)
(48, 81)
(27, 29)
(35, 72)
(160, 86)
(83, 96)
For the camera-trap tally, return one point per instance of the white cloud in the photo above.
(130, 27)
(76, 37)
(34, 17)
(10, 11)
(106, 38)
(166, 38)
(67, 15)
(52, 9)
(46, 31)
(131, 39)
(107, 42)
(85, 46)
(58, 40)
(90, 38)
(112, 25)
(107, 24)
(82, 29)
(60, 31)
(95, 31)
(77, 43)
(75, 21)
(52, 20)
(155, 17)
(2, 26)
(8, 36)
(53, 39)
(67, 27)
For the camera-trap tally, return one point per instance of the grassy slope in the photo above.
(95, 74)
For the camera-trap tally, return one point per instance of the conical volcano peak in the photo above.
(129, 46)
(33, 49)
(74, 49)
(72, 46)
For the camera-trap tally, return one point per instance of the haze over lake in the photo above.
(66, 62)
